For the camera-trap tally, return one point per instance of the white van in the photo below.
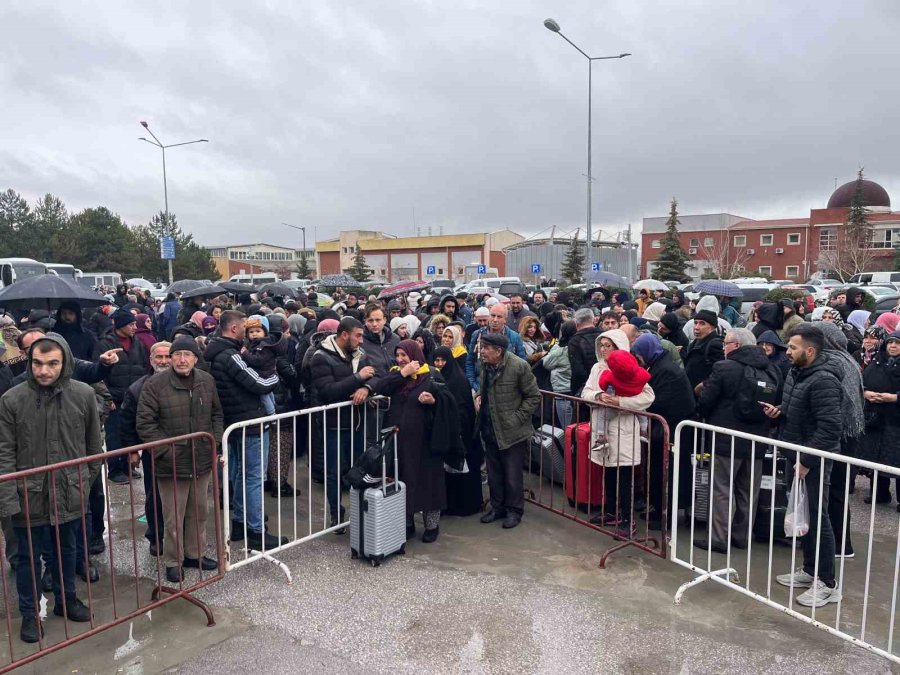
(874, 278)
(95, 279)
(494, 283)
(68, 272)
(16, 269)
(256, 279)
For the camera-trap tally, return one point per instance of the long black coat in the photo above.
(464, 492)
(582, 357)
(881, 442)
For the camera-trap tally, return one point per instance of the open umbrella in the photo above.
(650, 285)
(401, 288)
(184, 285)
(203, 292)
(47, 291)
(140, 283)
(719, 287)
(237, 288)
(608, 279)
(335, 280)
(279, 289)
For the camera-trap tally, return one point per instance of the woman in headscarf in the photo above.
(409, 385)
(399, 327)
(881, 443)
(888, 321)
(453, 340)
(857, 322)
(425, 339)
(464, 492)
(145, 331)
(873, 341)
(776, 350)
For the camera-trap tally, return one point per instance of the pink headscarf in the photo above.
(197, 318)
(888, 321)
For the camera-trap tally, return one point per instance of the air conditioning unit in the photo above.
(692, 251)
(779, 250)
(751, 251)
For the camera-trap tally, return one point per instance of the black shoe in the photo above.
(76, 610)
(880, 499)
(174, 574)
(46, 580)
(118, 477)
(204, 563)
(704, 544)
(257, 541)
(284, 490)
(156, 551)
(491, 516)
(430, 536)
(97, 545)
(511, 521)
(92, 573)
(237, 531)
(30, 629)
(739, 544)
(268, 485)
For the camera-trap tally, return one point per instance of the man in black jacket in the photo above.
(240, 388)
(705, 349)
(810, 414)
(582, 349)
(339, 373)
(718, 404)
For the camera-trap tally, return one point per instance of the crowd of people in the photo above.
(463, 376)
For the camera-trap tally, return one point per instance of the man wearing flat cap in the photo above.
(507, 396)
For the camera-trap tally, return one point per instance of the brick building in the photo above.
(787, 248)
(241, 258)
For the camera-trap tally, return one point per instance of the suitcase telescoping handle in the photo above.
(385, 435)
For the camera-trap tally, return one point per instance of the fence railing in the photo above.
(603, 467)
(742, 542)
(61, 492)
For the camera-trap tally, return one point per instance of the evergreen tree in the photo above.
(303, 266)
(573, 265)
(672, 261)
(15, 221)
(359, 270)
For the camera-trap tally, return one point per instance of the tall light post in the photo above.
(159, 144)
(302, 228)
(551, 25)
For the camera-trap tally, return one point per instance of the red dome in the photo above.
(873, 195)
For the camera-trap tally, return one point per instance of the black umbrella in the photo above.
(185, 285)
(237, 288)
(47, 291)
(203, 292)
(278, 289)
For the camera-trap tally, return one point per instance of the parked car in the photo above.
(874, 278)
(818, 293)
(826, 284)
(753, 293)
(886, 303)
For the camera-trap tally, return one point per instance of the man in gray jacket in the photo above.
(49, 418)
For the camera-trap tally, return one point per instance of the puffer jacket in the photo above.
(239, 386)
(334, 377)
(582, 357)
(39, 427)
(512, 398)
(132, 366)
(811, 406)
(167, 408)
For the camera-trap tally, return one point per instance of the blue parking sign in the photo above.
(482, 269)
(430, 269)
(595, 267)
(535, 269)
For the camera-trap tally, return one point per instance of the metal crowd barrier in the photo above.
(863, 611)
(297, 518)
(560, 475)
(112, 599)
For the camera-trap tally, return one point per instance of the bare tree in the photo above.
(725, 263)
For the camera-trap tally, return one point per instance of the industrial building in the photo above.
(549, 253)
(244, 258)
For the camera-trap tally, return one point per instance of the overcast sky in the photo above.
(358, 114)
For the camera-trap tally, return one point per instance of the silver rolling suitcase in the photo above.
(378, 515)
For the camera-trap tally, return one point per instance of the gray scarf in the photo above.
(853, 424)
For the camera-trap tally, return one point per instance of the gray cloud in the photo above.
(351, 115)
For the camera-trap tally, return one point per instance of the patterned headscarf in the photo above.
(868, 353)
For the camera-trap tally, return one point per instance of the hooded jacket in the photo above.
(334, 377)
(442, 309)
(41, 426)
(779, 358)
(82, 343)
(582, 356)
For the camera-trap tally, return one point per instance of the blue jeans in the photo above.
(250, 464)
(351, 444)
(114, 442)
(66, 552)
(563, 413)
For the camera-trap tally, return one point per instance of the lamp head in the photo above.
(550, 24)
(622, 56)
(144, 124)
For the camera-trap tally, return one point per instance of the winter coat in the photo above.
(622, 429)
(700, 357)
(82, 342)
(513, 320)
(169, 319)
(169, 407)
(512, 398)
(42, 426)
(379, 350)
(811, 407)
(128, 414)
(769, 317)
(718, 399)
(790, 323)
(557, 362)
(674, 396)
(582, 357)
(133, 364)
(881, 442)
(239, 386)
(334, 376)
(473, 360)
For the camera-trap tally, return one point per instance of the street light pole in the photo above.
(553, 26)
(302, 228)
(159, 144)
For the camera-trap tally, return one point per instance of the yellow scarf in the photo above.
(458, 351)
(423, 370)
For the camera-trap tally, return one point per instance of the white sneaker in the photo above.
(818, 595)
(799, 579)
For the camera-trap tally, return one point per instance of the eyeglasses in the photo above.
(731, 342)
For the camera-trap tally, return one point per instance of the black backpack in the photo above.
(756, 384)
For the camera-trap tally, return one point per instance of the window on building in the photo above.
(765, 269)
(793, 238)
(695, 243)
(885, 238)
(655, 243)
(792, 271)
(766, 239)
(828, 239)
(708, 241)
(740, 241)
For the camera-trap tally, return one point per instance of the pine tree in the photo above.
(303, 266)
(359, 270)
(671, 263)
(573, 265)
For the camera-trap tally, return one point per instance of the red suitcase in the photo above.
(584, 479)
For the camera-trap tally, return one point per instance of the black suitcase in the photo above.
(764, 513)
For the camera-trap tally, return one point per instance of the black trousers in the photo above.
(505, 479)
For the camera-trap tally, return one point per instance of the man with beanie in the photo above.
(181, 400)
(507, 396)
(133, 364)
(705, 350)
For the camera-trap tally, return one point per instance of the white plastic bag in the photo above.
(796, 516)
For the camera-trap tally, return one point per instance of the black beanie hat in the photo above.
(122, 318)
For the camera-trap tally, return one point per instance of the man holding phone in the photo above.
(810, 414)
